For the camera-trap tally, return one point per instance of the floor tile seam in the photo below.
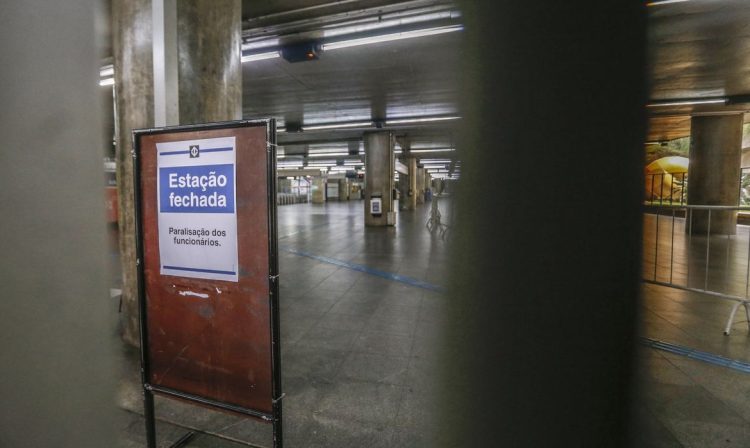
(356, 379)
(401, 395)
(668, 427)
(374, 425)
(697, 380)
(349, 350)
(668, 322)
(668, 423)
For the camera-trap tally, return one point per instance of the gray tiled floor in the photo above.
(355, 346)
(359, 351)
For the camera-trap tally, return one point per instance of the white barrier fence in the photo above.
(681, 251)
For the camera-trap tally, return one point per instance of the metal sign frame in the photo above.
(275, 417)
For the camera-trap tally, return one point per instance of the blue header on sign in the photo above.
(197, 189)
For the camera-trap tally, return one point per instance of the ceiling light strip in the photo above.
(419, 120)
(690, 102)
(432, 150)
(260, 56)
(320, 127)
(391, 37)
(665, 2)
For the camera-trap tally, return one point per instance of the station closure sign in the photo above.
(197, 216)
(208, 283)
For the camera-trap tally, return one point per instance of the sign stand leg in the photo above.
(278, 438)
(148, 413)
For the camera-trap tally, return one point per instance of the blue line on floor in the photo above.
(361, 268)
(710, 358)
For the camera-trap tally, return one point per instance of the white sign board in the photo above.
(197, 213)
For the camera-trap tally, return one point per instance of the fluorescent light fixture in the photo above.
(327, 154)
(260, 44)
(688, 102)
(319, 127)
(389, 21)
(107, 82)
(281, 129)
(260, 56)
(665, 2)
(418, 120)
(107, 70)
(391, 37)
(432, 150)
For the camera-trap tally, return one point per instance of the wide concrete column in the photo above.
(210, 74)
(318, 190)
(419, 191)
(714, 173)
(134, 103)
(379, 166)
(209, 89)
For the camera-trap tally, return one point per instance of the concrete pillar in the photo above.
(208, 40)
(134, 104)
(412, 187)
(714, 173)
(210, 74)
(343, 189)
(379, 165)
(419, 192)
(318, 190)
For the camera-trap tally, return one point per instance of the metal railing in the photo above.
(672, 188)
(680, 250)
(666, 188)
(290, 198)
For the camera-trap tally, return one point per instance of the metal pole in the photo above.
(656, 244)
(661, 190)
(671, 253)
(682, 189)
(747, 272)
(653, 176)
(148, 414)
(726, 267)
(708, 250)
(690, 241)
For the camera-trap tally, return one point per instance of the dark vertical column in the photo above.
(59, 356)
(210, 72)
(134, 103)
(545, 268)
(714, 177)
(412, 198)
(379, 164)
(419, 192)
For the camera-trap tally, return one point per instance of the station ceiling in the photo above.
(699, 50)
(372, 84)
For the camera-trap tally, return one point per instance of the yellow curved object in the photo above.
(666, 178)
